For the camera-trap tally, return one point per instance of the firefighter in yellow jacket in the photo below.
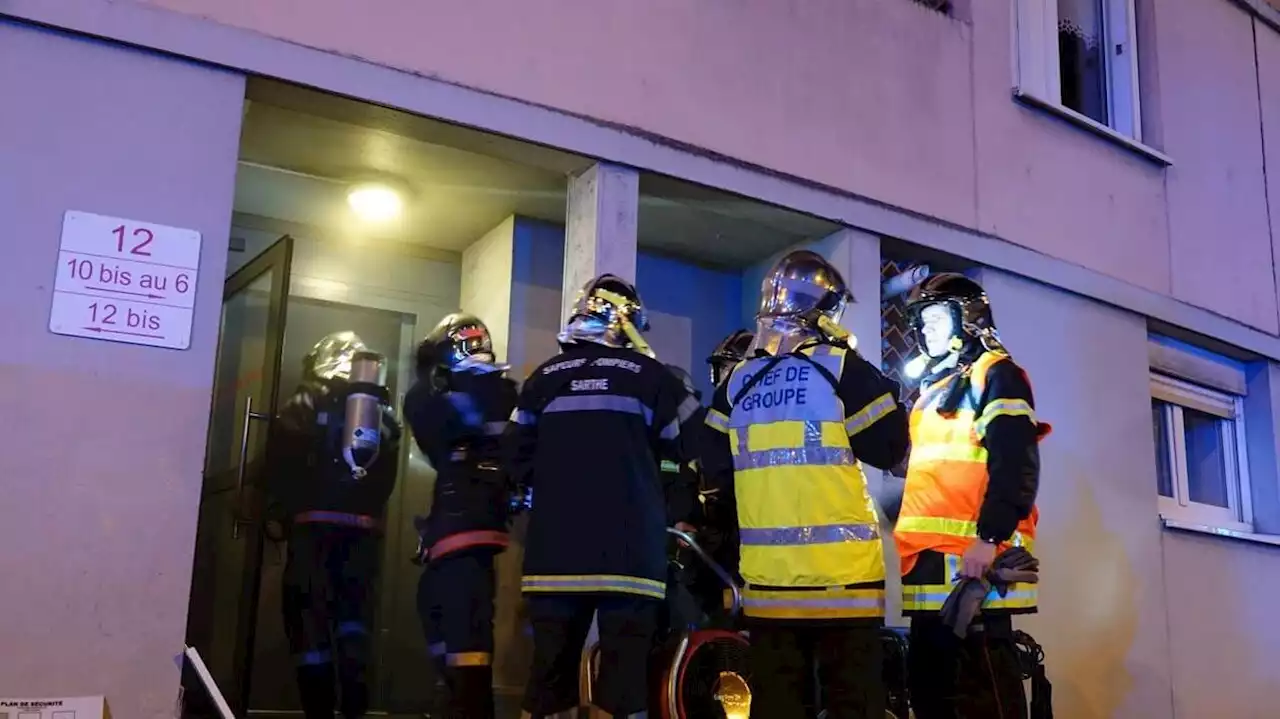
(970, 493)
(792, 424)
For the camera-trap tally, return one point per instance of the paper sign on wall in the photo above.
(125, 281)
(67, 708)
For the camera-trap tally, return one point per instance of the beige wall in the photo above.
(1222, 638)
(105, 441)
(884, 99)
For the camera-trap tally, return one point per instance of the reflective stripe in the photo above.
(438, 649)
(931, 597)
(813, 603)
(869, 415)
(524, 417)
(671, 431)
(600, 403)
(468, 659)
(793, 536)
(1002, 408)
(955, 528)
(349, 629)
(586, 583)
(717, 421)
(466, 540)
(687, 408)
(466, 407)
(921, 454)
(313, 658)
(495, 428)
(342, 519)
(794, 456)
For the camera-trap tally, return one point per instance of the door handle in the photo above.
(249, 416)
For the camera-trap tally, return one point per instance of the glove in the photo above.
(965, 601)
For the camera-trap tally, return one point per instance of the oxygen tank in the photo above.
(362, 422)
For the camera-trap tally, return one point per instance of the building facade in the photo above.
(1101, 165)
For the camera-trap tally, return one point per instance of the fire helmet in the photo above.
(731, 350)
(800, 298)
(330, 358)
(608, 311)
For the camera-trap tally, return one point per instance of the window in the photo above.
(1081, 55)
(1201, 468)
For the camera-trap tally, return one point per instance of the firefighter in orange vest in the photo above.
(970, 493)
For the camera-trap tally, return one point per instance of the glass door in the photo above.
(225, 577)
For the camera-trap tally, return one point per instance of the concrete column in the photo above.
(600, 236)
(600, 227)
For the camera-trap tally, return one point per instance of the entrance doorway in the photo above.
(305, 261)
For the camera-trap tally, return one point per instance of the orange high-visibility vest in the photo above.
(947, 473)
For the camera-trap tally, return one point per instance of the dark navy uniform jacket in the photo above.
(590, 429)
(306, 475)
(459, 428)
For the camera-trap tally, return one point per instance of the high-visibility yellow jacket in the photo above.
(947, 480)
(810, 537)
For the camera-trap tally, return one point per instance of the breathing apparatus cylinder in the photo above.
(362, 421)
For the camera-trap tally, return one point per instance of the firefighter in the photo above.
(720, 518)
(970, 493)
(731, 350)
(331, 511)
(458, 410)
(793, 424)
(588, 433)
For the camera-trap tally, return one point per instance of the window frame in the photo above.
(1179, 394)
(1038, 65)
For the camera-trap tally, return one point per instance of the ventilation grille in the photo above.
(897, 342)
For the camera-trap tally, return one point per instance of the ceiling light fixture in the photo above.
(375, 202)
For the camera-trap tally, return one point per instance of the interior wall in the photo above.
(537, 266)
(1103, 584)
(381, 279)
(486, 282)
(104, 515)
(691, 309)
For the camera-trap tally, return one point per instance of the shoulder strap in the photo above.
(826, 373)
(758, 376)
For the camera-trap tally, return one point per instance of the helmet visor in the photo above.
(469, 341)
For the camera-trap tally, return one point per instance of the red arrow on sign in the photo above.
(126, 292)
(122, 332)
